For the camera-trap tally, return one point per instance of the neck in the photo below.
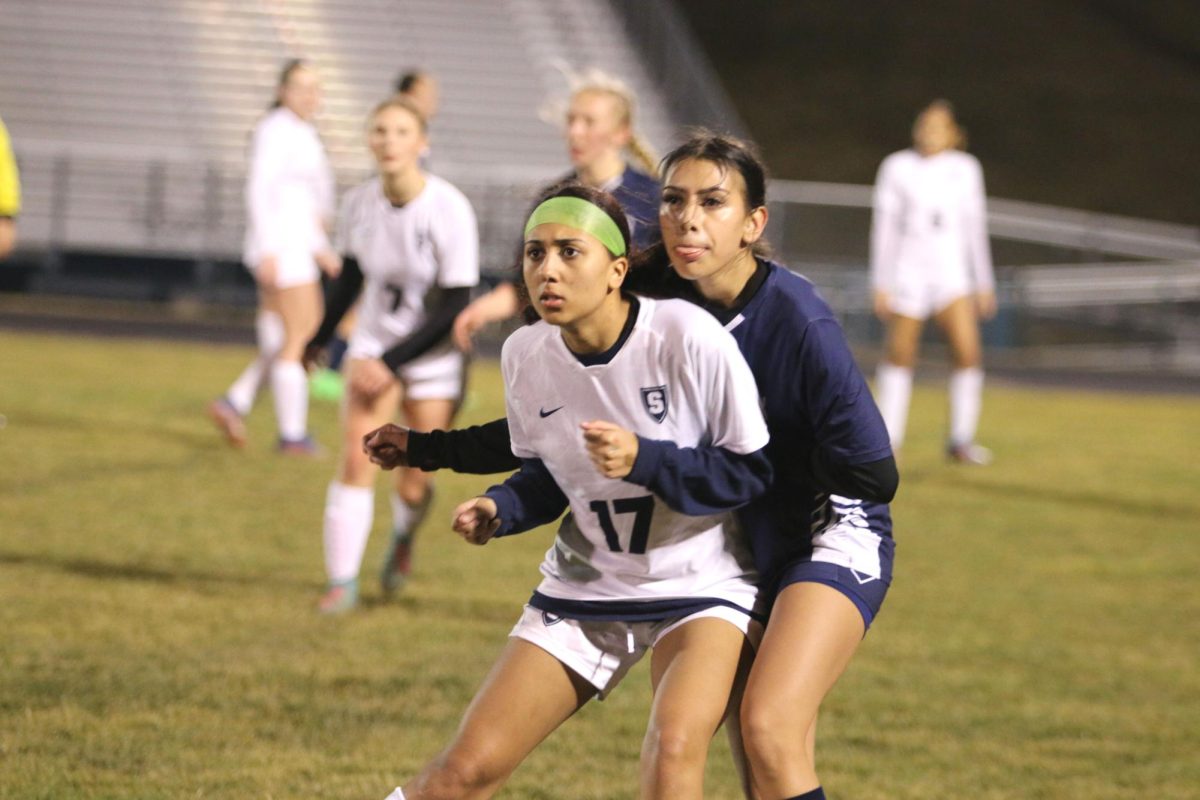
(723, 286)
(599, 330)
(401, 187)
(602, 171)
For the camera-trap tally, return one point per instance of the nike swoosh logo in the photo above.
(543, 413)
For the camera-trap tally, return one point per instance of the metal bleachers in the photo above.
(130, 118)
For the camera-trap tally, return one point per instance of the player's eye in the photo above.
(672, 199)
(570, 251)
(713, 202)
(534, 252)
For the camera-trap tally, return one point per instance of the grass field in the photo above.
(158, 639)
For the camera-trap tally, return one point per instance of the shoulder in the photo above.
(793, 298)
(445, 196)
(362, 194)
(524, 341)
(967, 162)
(683, 326)
(638, 181)
(899, 160)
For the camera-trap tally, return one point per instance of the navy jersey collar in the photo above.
(749, 291)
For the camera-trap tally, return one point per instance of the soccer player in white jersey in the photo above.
(290, 200)
(930, 258)
(642, 418)
(411, 247)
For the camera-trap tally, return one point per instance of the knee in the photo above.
(671, 750)
(772, 733)
(413, 487)
(457, 773)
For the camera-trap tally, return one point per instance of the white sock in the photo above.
(966, 399)
(289, 384)
(402, 513)
(893, 387)
(396, 795)
(349, 512)
(268, 328)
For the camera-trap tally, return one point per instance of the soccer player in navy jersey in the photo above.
(641, 416)
(599, 132)
(822, 535)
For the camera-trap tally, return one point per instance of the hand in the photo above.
(387, 446)
(370, 377)
(476, 520)
(985, 304)
(882, 305)
(498, 304)
(611, 448)
(466, 323)
(267, 272)
(329, 262)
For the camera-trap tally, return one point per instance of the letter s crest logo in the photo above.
(654, 398)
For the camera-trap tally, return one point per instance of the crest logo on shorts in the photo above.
(654, 398)
(549, 619)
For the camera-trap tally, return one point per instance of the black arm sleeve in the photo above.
(477, 450)
(341, 294)
(874, 481)
(438, 322)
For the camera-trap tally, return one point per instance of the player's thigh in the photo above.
(692, 671)
(300, 307)
(813, 633)
(361, 415)
(902, 340)
(960, 325)
(431, 414)
(527, 694)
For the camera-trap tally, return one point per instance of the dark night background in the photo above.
(1091, 104)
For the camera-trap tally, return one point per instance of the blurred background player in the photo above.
(421, 89)
(10, 195)
(599, 134)
(411, 247)
(655, 564)
(930, 258)
(290, 201)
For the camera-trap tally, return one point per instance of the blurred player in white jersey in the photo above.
(641, 417)
(411, 247)
(930, 258)
(290, 200)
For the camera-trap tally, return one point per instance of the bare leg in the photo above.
(813, 632)
(692, 670)
(527, 695)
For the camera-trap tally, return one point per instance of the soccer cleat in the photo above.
(300, 448)
(339, 598)
(970, 453)
(326, 385)
(397, 566)
(230, 422)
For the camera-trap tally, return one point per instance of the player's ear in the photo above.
(754, 225)
(618, 268)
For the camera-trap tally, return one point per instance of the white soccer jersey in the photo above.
(289, 190)
(929, 226)
(406, 253)
(678, 377)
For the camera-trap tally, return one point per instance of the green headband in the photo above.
(578, 213)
